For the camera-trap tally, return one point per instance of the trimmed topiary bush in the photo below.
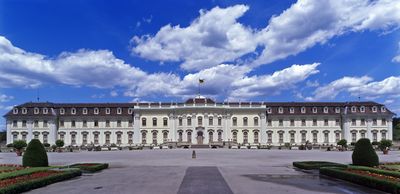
(35, 155)
(364, 154)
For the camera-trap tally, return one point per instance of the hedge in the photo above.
(94, 168)
(35, 155)
(376, 170)
(37, 183)
(22, 172)
(313, 165)
(372, 182)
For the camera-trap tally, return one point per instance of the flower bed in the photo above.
(373, 178)
(26, 182)
(5, 168)
(90, 167)
(313, 165)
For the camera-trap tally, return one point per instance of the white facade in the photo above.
(199, 121)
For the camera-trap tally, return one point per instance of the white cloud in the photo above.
(113, 93)
(364, 87)
(5, 98)
(101, 69)
(396, 58)
(216, 36)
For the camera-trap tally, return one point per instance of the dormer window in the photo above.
(353, 109)
(15, 110)
(24, 111)
(130, 111)
(303, 109)
(84, 111)
(62, 111)
(36, 111)
(337, 110)
(314, 109)
(280, 110)
(119, 111)
(73, 111)
(96, 111)
(374, 109)
(269, 110)
(291, 110)
(45, 110)
(362, 109)
(325, 109)
(383, 109)
(108, 111)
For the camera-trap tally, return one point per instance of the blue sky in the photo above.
(123, 51)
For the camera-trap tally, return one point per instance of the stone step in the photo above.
(196, 146)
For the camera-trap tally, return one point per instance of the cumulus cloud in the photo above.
(216, 36)
(358, 86)
(5, 98)
(101, 69)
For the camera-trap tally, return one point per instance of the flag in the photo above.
(201, 81)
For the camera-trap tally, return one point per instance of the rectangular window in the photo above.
(130, 123)
(269, 122)
(107, 138)
(280, 122)
(144, 123)
(62, 137)
(84, 139)
(165, 122)
(353, 122)
(375, 137)
(119, 123)
(326, 122)
(337, 137)
(292, 138)
(337, 122)
(119, 138)
(189, 121)
(73, 124)
(314, 122)
(362, 122)
(107, 123)
(219, 121)
(96, 123)
(154, 122)
(84, 123)
(291, 122)
(303, 138)
(326, 137)
(96, 138)
(36, 136)
(23, 123)
(383, 135)
(303, 122)
(210, 121)
(353, 137)
(130, 138)
(15, 123)
(280, 137)
(36, 123)
(362, 135)
(24, 136)
(234, 121)
(73, 139)
(45, 123)
(383, 121)
(374, 122)
(61, 123)
(180, 121)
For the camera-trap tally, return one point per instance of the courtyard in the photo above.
(212, 171)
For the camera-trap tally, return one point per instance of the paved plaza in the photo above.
(213, 171)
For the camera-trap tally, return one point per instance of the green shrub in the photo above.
(41, 182)
(59, 143)
(46, 145)
(35, 155)
(369, 181)
(342, 143)
(19, 144)
(90, 167)
(10, 145)
(385, 144)
(312, 165)
(364, 154)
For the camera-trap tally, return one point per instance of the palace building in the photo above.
(199, 121)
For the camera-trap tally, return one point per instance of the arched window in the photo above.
(291, 110)
(362, 109)
(326, 109)
(303, 109)
(200, 120)
(96, 111)
(180, 121)
(180, 136)
(280, 110)
(255, 137)
(24, 111)
(165, 137)
(15, 111)
(211, 137)
(210, 120)
(119, 111)
(255, 121)
(165, 122)
(45, 110)
(353, 109)
(144, 122)
(189, 121)
(144, 134)
(234, 121)
(108, 111)
(245, 121)
(155, 138)
(245, 137)
(374, 109)
(73, 111)
(314, 109)
(189, 137)
(234, 136)
(84, 111)
(154, 122)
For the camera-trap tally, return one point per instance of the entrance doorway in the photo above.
(200, 137)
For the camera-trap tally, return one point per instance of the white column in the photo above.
(9, 135)
(346, 129)
(228, 128)
(224, 128)
(263, 131)
(389, 129)
(53, 132)
(136, 129)
(172, 128)
(205, 124)
(29, 124)
(369, 133)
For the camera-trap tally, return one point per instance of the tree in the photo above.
(384, 145)
(342, 143)
(35, 155)
(19, 145)
(364, 154)
(396, 128)
(59, 144)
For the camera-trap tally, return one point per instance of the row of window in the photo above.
(73, 111)
(326, 109)
(362, 122)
